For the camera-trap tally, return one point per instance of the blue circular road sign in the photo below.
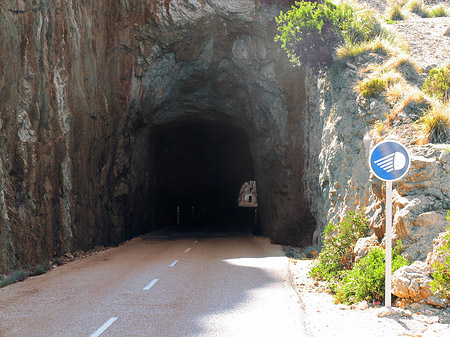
(389, 160)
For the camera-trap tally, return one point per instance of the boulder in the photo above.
(364, 245)
(413, 282)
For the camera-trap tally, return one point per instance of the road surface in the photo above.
(229, 286)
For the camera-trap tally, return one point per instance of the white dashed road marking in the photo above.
(151, 284)
(187, 250)
(104, 327)
(174, 263)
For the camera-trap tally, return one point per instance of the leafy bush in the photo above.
(438, 83)
(366, 281)
(311, 32)
(339, 242)
(441, 273)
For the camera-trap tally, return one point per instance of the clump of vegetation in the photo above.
(395, 12)
(435, 125)
(372, 87)
(439, 11)
(438, 83)
(40, 269)
(419, 8)
(349, 281)
(349, 51)
(366, 281)
(339, 242)
(379, 127)
(14, 277)
(21, 275)
(311, 32)
(441, 273)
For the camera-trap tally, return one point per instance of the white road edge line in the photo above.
(104, 327)
(187, 250)
(174, 263)
(151, 284)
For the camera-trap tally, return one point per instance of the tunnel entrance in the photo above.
(200, 168)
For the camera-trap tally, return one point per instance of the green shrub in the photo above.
(366, 281)
(311, 32)
(339, 242)
(14, 277)
(438, 83)
(372, 87)
(441, 273)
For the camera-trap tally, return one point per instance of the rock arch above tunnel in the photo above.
(215, 71)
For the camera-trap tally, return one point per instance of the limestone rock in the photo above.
(447, 32)
(364, 245)
(412, 282)
(436, 255)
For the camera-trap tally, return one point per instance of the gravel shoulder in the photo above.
(325, 318)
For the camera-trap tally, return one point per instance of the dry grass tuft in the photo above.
(434, 125)
(409, 96)
(395, 12)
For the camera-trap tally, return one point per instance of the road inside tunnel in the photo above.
(200, 167)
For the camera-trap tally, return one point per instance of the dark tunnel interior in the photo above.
(200, 168)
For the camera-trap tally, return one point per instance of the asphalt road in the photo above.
(230, 286)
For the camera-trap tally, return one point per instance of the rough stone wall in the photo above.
(84, 83)
(60, 121)
(339, 132)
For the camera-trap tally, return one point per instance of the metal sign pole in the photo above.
(389, 161)
(388, 270)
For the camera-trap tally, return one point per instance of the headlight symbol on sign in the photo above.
(389, 160)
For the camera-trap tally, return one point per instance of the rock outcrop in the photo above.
(339, 131)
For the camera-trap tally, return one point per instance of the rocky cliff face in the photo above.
(63, 105)
(92, 93)
(340, 135)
